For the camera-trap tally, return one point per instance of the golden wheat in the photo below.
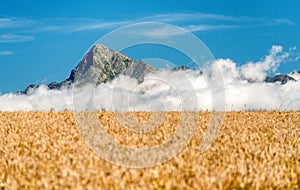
(253, 150)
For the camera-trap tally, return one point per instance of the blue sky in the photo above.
(41, 41)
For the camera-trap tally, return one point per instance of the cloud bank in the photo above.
(182, 90)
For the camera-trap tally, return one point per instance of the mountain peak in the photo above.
(102, 64)
(100, 49)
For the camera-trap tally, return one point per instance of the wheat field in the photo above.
(253, 150)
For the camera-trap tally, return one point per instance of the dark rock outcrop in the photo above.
(283, 79)
(181, 68)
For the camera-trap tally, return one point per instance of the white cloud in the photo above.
(12, 38)
(5, 53)
(257, 71)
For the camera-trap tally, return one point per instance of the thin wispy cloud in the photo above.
(166, 32)
(262, 21)
(161, 32)
(191, 21)
(13, 38)
(6, 53)
(200, 28)
(71, 25)
(168, 18)
(201, 22)
(281, 21)
(3, 20)
(7, 23)
(177, 17)
(98, 25)
(209, 18)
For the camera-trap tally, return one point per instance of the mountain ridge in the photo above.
(101, 64)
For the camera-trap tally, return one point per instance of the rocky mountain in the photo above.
(101, 65)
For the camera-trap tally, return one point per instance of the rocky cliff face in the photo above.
(101, 65)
